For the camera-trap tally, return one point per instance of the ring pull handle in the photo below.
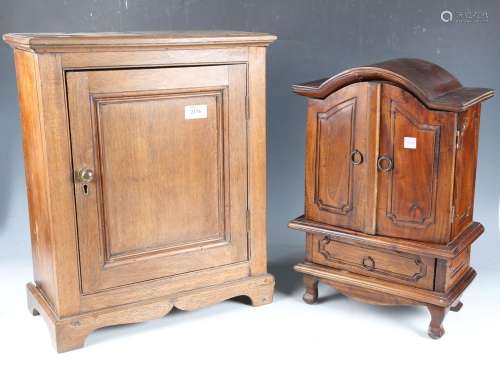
(356, 157)
(384, 160)
(368, 263)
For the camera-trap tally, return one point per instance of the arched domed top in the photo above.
(432, 84)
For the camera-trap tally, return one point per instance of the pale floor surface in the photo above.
(336, 335)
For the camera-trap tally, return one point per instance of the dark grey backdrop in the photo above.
(316, 38)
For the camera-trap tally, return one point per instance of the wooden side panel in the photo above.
(36, 173)
(465, 168)
(457, 268)
(256, 127)
(450, 272)
(49, 174)
(340, 158)
(415, 168)
(60, 187)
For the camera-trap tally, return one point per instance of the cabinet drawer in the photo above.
(399, 267)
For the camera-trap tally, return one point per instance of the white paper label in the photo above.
(410, 143)
(195, 111)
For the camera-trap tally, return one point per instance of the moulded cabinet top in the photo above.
(434, 86)
(135, 40)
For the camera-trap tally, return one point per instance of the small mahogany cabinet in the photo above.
(146, 173)
(391, 153)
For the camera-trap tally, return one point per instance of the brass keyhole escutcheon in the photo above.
(356, 157)
(85, 176)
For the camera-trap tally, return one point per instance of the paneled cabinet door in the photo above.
(415, 166)
(160, 165)
(340, 158)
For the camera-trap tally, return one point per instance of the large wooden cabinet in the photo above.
(145, 163)
(391, 153)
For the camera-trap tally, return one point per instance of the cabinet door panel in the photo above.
(340, 158)
(416, 150)
(168, 150)
(334, 169)
(139, 178)
(413, 187)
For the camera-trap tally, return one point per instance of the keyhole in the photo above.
(85, 189)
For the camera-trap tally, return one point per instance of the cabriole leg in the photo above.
(438, 313)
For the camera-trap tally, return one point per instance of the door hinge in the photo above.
(247, 106)
(460, 133)
(248, 221)
(459, 139)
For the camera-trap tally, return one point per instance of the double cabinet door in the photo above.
(378, 161)
(160, 164)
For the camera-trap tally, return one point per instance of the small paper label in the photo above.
(410, 143)
(195, 111)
